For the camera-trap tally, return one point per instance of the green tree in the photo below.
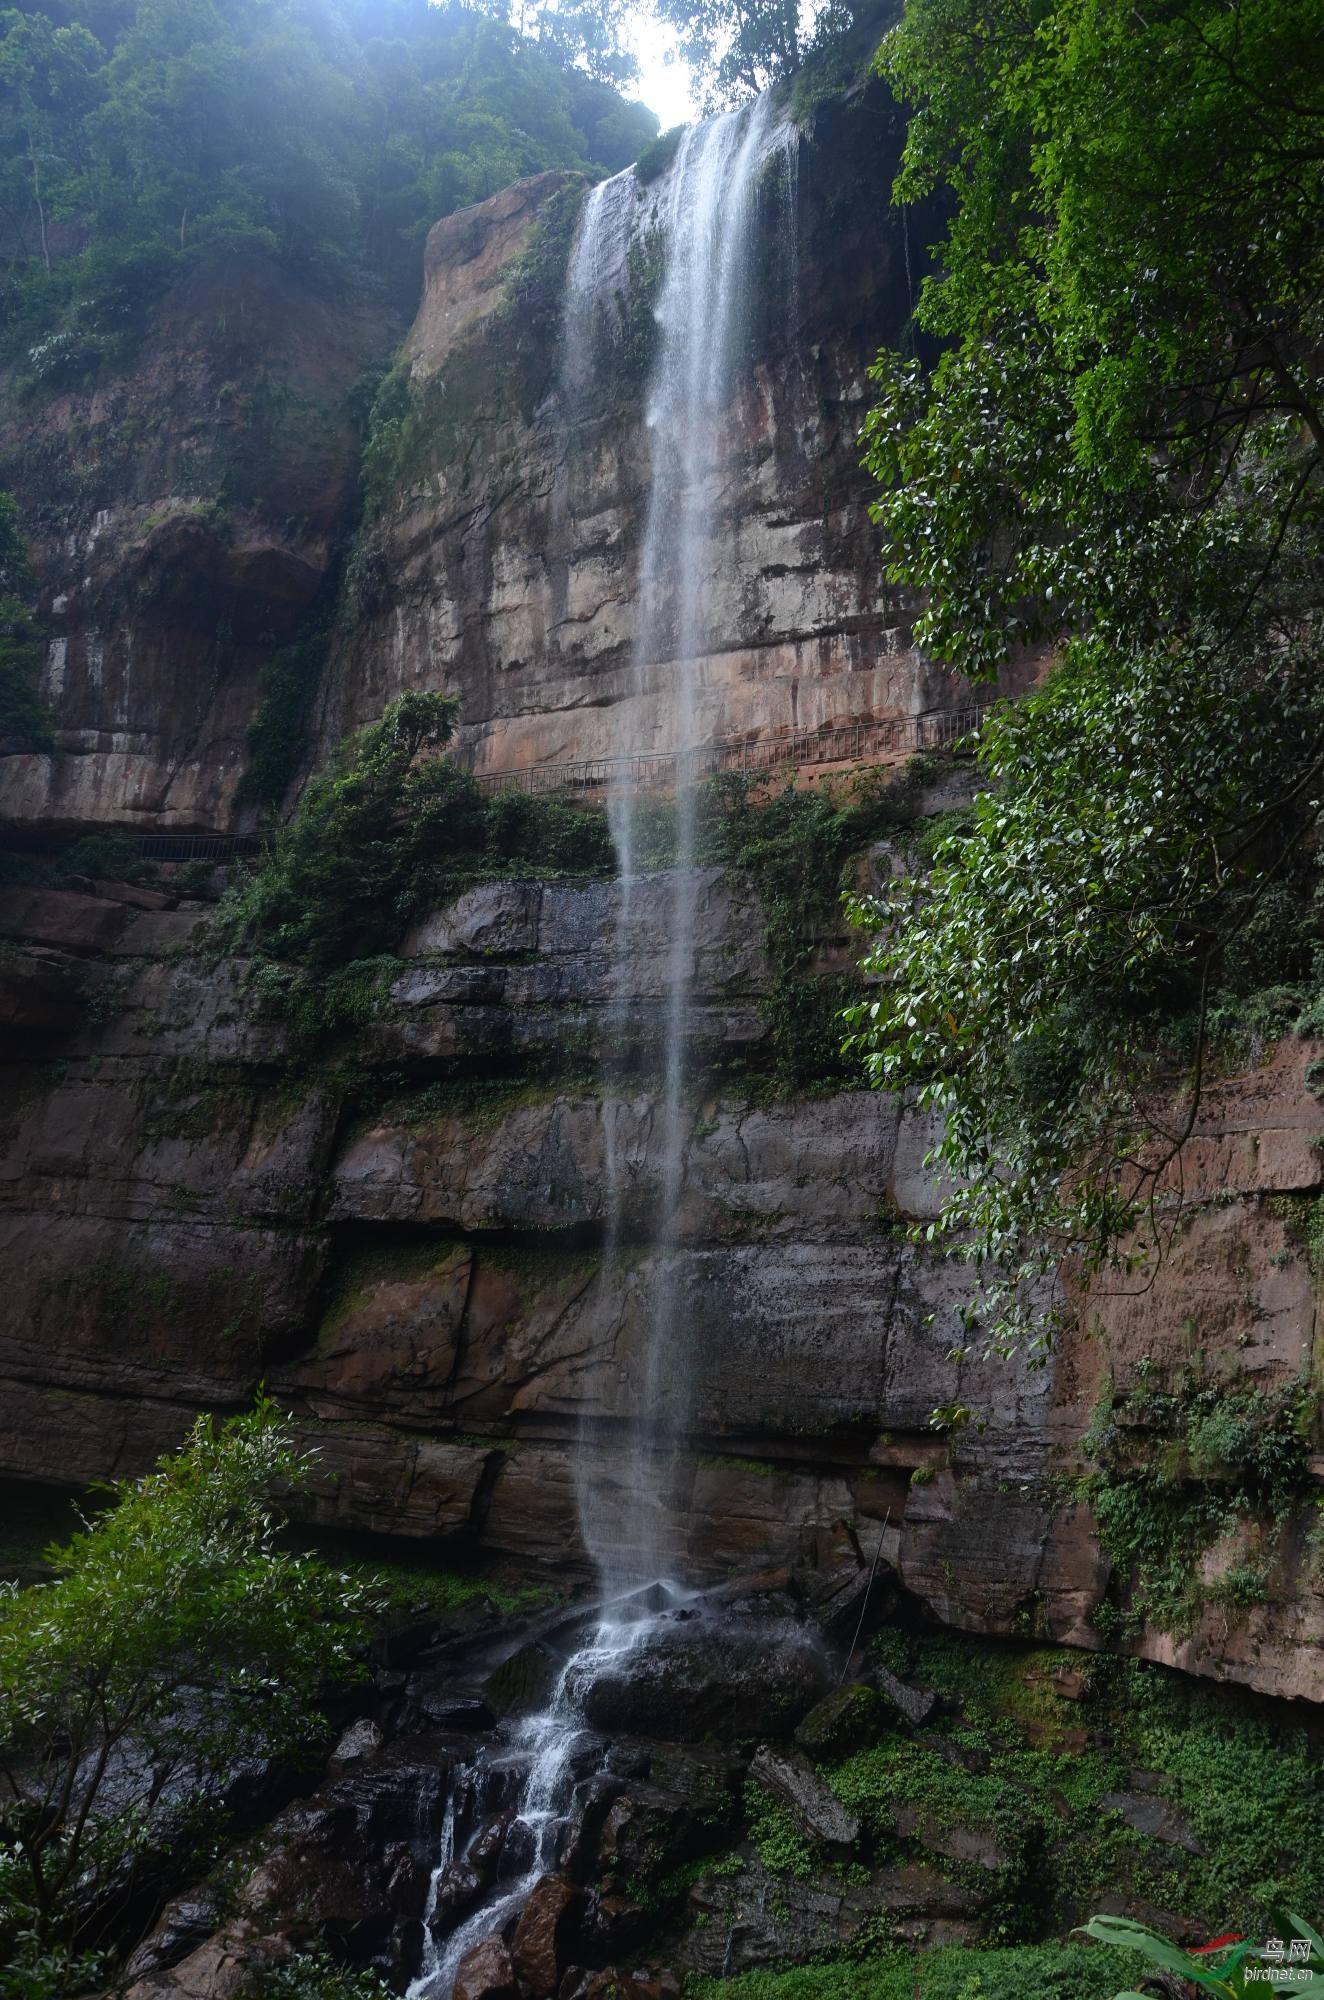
(177, 1638)
(331, 136)
(1118, 457)
(736, 51)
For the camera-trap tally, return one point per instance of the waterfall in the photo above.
(707, 218)
(705, 208)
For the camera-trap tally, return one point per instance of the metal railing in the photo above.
(668, 770)
(151, 846)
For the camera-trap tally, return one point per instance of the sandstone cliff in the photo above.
(403, 1238)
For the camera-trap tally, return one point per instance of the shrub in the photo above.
(175, 1640)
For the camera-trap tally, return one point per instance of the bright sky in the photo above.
(664, 81)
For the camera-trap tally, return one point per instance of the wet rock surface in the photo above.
(652, 1859)
(725, 1684)
(790, 1778)
(428, 1295)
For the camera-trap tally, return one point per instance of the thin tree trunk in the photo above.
(41, 207)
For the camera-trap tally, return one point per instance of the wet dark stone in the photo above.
(849, 1719)
(524, 1682)
(454, 1711)
(486, 1973)
(647, 1832)
(484, 1850)
(611, 1924)
(1153, 1816)
(458, 1891)
(182, 1925)
(546, 1934)
(517, 1851)
(590, 1804)
(689, 1684)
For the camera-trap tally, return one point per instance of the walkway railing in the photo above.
(667, 770)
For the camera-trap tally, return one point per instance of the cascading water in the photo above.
(705, 210)
(707, 221)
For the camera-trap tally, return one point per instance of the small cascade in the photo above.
(517, 1798)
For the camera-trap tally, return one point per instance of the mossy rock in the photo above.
(849, 1719)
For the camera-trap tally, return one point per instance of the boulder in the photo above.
(850, 1718)
(972, 1844)
(184, 1923)
(791, 1779)
(612, 1984)
(914, 1705)
(458, 1889)
(592, 1800)
(523, 1682)
(484, 1850)
(363, 1738)
(753, 1918)
(1155, 1817)
(687, 1683)
(486, 1973)
(611, 1925)
(545, 1934)
(229, 1966)
(645, 1833)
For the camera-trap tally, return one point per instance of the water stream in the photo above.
(706, 208)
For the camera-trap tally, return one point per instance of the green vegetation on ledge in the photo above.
(382, 835)
(951, 1972)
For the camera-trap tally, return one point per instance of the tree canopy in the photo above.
(1117, 459)
(134, 133)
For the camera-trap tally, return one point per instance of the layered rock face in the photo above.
(183, 517)
(506, 545)
(409, 1252)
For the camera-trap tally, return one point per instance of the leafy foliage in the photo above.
(1009, 1755)
(1118, 455)
(287, 682)
(735, 52)
(1175, 1472)
(1232, 1974)
(307, 1975)
(952, 1972)
(176, 1639)
(378, 837)
(802, 845)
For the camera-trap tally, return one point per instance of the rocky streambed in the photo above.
(633, 1798)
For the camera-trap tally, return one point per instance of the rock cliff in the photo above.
(402, 1233)
(501, 543)
(183, 515)
(403, 1238)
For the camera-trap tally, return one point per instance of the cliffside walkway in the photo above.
(851, 743)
